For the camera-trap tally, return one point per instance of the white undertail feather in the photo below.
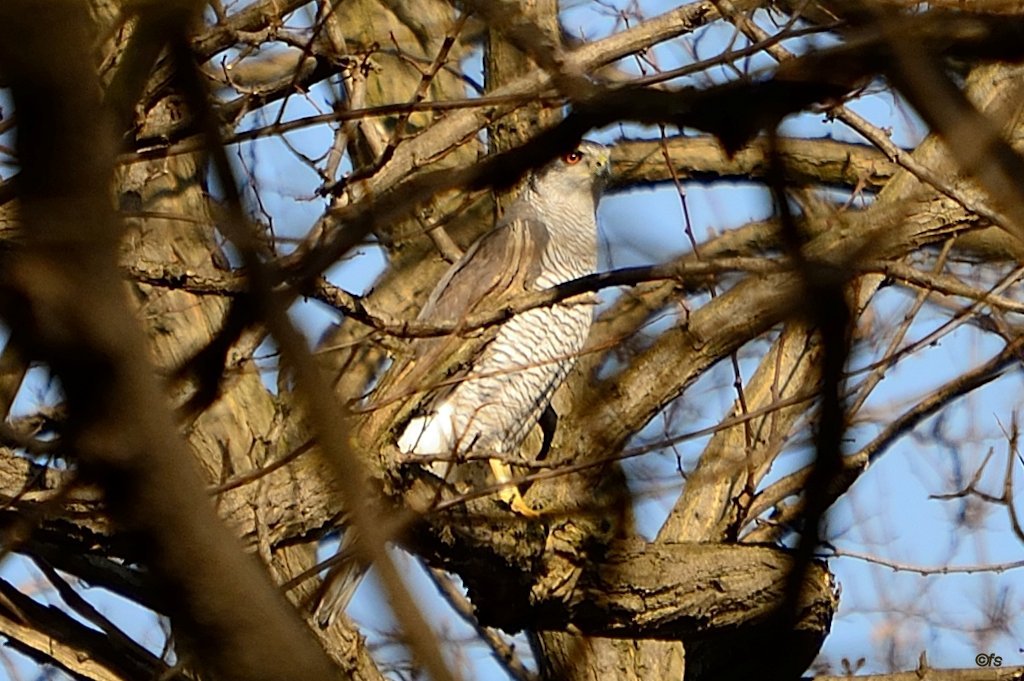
(431, 434)
(426, 434)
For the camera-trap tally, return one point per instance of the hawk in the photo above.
(481, 392)
(547, 237)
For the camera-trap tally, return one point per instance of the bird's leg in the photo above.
(510, 493)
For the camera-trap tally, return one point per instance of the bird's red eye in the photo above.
(573, 157)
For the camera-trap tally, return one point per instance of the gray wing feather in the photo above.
(501, 264)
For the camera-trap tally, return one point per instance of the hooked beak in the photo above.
(604, 169)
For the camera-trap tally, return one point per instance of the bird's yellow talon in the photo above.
(511, 494)
(519, 505)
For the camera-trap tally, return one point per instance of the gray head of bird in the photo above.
(585, 168)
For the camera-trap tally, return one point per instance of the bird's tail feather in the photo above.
(340, 584)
